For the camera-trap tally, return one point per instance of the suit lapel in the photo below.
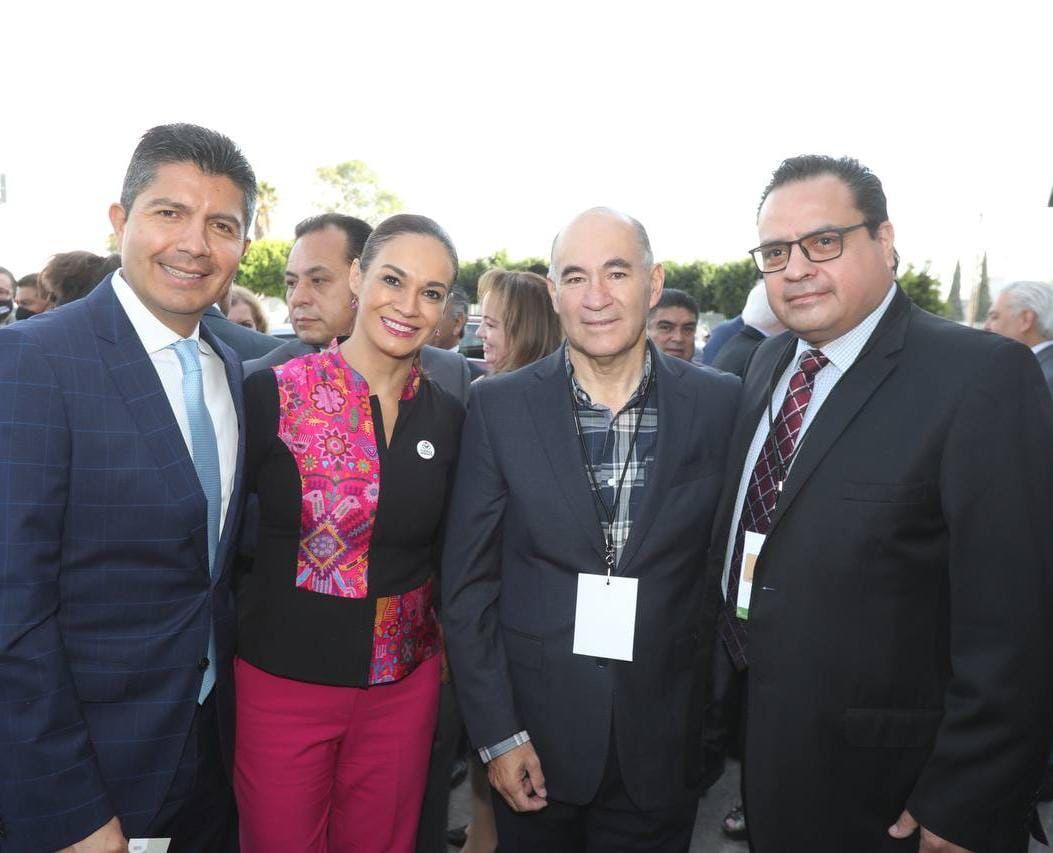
(851, 393)
(549, 405)
(676, 416)
(233, 369)
(770, 360)
(137, 382)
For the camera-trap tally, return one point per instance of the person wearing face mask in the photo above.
(30, 298)
(7, 297)
(350, 452)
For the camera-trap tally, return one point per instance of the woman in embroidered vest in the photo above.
(349, 452)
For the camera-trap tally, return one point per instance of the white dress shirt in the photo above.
(841, 353)
(1037, 348)
(157, 340)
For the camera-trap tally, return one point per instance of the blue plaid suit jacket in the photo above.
(105, 592)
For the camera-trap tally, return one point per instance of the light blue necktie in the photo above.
(205, 451)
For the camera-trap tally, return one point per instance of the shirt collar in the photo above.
(1037, 348)
(582, 396)
(843, 351)
(154, 335)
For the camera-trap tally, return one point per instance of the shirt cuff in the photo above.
(488, 753)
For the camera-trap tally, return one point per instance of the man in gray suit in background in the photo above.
(320, 305)
(1023, 311)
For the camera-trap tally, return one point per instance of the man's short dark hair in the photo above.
(211, 151)
(867, 193)
(31, 280)
(356, 230)
(673, 298)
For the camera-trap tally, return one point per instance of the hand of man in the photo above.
(516, 775)
(106, 839)
(929, 843)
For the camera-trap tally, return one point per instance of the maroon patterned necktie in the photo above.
(765, 483)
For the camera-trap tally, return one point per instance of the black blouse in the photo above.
(286, 625)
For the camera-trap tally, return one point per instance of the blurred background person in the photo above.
(7, 297)
(1023, 311)
(672, 324)
(518, 327)
(30, 298)
(518, 324)
(246, 310)
(350, 452)
(758, 322)
(73, 275)
(451, 328)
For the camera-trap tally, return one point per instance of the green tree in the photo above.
(266, 201)
(262, 269)
(470, 271)
(954, 298)
(922, 288)
(731, 284)
(353, 188)
(692, 278)
(982, 303)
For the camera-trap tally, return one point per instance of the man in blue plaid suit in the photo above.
(121, 442)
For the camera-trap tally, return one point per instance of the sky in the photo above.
(501, 121)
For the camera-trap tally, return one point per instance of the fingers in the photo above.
(904, 827)
(517, 777)
(535, 777)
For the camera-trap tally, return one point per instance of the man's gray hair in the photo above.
(1034, 296)
(641, 237)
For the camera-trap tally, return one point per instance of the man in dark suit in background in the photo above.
(583, 693)
(758, 323)
(247, 343)
(320, 302)
(121, 444)
(1023, 311)
(894, 531)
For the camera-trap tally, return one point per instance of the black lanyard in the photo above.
(598, 501)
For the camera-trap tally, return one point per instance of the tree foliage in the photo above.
(982, 303)
(470, 271)
(354, 189)
(266, 201)
(262, 269)
(954, 298)
(922, 288)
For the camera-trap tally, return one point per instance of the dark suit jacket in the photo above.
(105, 593)
(1045, 361)
(720, 335)
(522, 525)
(247, 343)
(448, 370)
(899, 630)
(734, 356)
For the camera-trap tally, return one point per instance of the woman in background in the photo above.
(518, 327)
(246, 310)
(349, 451)
(518, 324)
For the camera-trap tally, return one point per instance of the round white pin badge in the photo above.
(425, 449)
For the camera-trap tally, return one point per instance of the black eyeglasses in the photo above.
(825, 245)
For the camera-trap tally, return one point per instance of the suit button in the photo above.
(602, 663)
(202, 664)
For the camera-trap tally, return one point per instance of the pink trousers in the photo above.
(332, 769)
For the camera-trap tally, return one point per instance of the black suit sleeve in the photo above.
(471, 585)
(997, 494)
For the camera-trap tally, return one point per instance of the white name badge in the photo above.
(751, 548)
(605, 617)
(148, 845)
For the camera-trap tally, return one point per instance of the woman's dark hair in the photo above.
(531, 326)
(407, 223)
(72, 275)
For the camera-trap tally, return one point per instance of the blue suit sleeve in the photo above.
(51, 789)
